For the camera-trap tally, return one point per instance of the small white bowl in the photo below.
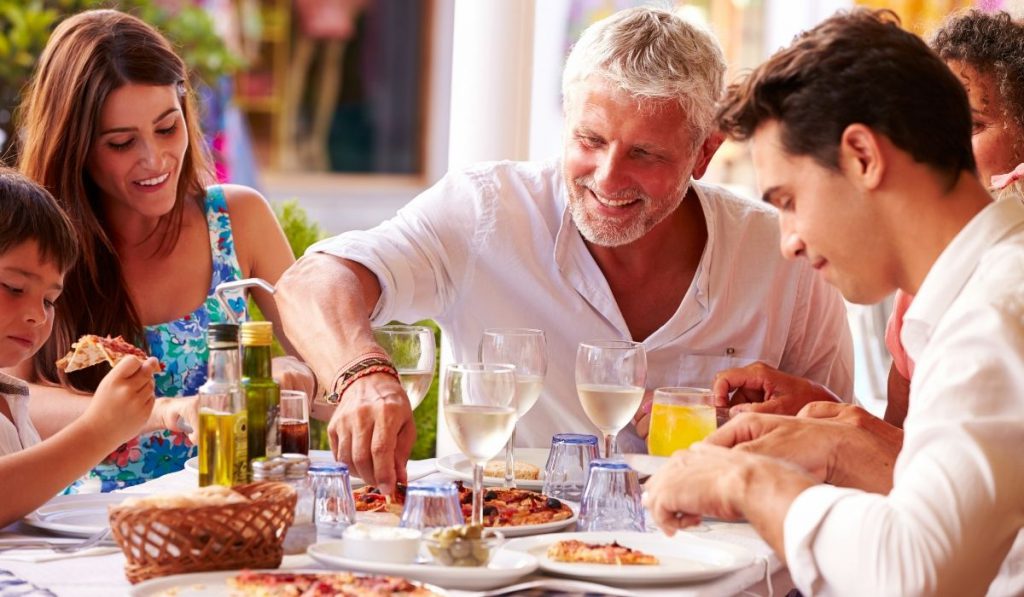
(377, 543)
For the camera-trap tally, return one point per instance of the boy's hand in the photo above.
(124, 399)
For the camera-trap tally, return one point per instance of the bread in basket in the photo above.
(205, 530)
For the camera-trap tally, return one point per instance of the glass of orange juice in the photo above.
(680, 417)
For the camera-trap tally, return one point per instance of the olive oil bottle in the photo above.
(223, 429)
(262, 394)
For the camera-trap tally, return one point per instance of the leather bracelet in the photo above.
(345, 368)
(363, 366)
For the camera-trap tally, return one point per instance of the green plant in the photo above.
(25, 27)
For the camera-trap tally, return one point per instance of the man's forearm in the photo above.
(767, 494)
(325, 303)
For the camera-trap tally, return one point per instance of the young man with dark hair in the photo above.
(861, 136)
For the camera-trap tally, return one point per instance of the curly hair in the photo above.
(993, 45)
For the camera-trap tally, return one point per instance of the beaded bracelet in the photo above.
(366, 364)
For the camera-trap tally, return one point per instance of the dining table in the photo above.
(99, 571)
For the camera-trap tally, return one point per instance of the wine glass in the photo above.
(610, 378)
(480, 409)
(411, 348)
(525, 349)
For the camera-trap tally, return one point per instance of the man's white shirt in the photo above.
(495, 246)
(957, 502)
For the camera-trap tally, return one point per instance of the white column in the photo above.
(492, 70)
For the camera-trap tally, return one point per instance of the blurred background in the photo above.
(341, 111)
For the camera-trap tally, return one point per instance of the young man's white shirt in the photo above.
(18, 434)
(957, 503)
(495, 246)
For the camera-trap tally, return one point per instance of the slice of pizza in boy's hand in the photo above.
(92, 350)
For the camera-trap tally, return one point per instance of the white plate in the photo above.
(682, 557)
(547, 527)
(79, 515)
(505, 568)
(206, 584)
(460, 467)
(192, 464)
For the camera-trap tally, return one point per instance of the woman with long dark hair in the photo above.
(109, 125)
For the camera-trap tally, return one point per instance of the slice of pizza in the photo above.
(370, 499)
(92, 350)
(302, 584)
(578, 552)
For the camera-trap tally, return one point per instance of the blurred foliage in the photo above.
(25, 27)
(426, 413)
(302, 233)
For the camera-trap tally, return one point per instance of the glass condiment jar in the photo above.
(302, 533)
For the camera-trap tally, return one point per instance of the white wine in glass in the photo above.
(411, 348)
(526, 349)
(479, 403)
(610, 378)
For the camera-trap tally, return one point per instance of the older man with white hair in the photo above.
(615, 240)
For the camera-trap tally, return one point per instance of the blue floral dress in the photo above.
(180, 346)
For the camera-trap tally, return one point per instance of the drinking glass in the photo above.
(525, 349)
(294, 422)
(480, 409)
(612, 498)
(680, 417)
(333, 506)
(411, 348)
(610, 378)
(565, 472)
(431, 504)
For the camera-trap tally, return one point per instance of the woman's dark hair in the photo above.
(89, 56)
(857, 67)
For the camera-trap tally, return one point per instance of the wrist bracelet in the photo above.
(366, 364)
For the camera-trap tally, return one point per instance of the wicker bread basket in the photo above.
(162, 541)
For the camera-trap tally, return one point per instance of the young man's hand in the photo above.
(760, 388)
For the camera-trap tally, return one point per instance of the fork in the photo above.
(556, 584)
(58, 547)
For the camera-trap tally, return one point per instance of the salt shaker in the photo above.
(302, 533)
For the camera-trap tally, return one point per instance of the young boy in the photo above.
(37, 247)
(861, 136)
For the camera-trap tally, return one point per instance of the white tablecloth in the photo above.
(103, 575)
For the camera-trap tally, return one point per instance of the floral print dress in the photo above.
(180, 346)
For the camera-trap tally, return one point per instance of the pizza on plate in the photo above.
(370, 499)
(579, 552)
(251, 583)
(503, 507)
(92, 350)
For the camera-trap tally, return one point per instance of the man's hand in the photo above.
(836, 443)
(373, 430)
(293, 374)
(727, 484)
(124, 399)
(760, 388)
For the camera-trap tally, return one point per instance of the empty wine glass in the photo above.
(480, 407)
(525, 349)
(411, 348)
(610, 378)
